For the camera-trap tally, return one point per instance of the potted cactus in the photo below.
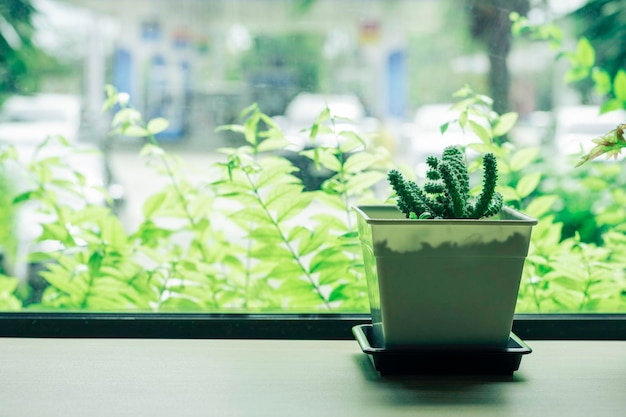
(443, 267)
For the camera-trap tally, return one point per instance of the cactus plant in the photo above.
(446, 194)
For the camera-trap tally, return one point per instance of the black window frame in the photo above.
(274, 326)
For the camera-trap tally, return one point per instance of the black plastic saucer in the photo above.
(430, 361)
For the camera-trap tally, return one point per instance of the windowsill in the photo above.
(119, 377)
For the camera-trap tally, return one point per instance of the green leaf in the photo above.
(527, 184)
(568, 283)
(94, 263)
(157, 125)
(271, 123)
(25, 196)
(594, 183)
(331, 221)
(111, 100)
(248, 111)
(352, 141)
(246, 215)
(601, 81)
(291, 208)
(479, 147)
(112, 232)
(326, 158)
(611, 105)
(125, 116)
(272, 144)
(300, 292)
(282, 195)
(576, 73)
(619, 86)
(231, 128)
(8, 284)
(585, 53)
(286, 270)
(59, 278)
(153, 204)
(135, 131)
(334, 274)
(480, 131)
(444, 127)
(364, 181)
(277, 174)
(508, 193)
(463, 117)
(340, 293)
(151, 150)
(89, 214)
(314, 241)
(265, 234)
(504, 124)
(323, 116)
(540, 205)
(359, 162)
(55, 231)
(350, 235)
(329, 258)
(298, 233)
(250, 128)
(315, 127)
(272, 253)
(523, 158)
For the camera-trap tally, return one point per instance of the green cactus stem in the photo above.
(446, 194)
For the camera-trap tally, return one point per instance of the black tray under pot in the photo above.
(428, 361)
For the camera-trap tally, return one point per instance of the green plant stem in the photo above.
(286, 241)
(586, 296)
(83, 304)
(345, 198)
(163, 288)
(247, 276)
(181, 198)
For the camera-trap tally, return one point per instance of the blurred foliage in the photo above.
(8, 242)
(295, 250)
(22, 64)
(15, 43)
(603, 24)
(592, 196)
(246, 237)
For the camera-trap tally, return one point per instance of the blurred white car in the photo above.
(302, 112)
(30, 119)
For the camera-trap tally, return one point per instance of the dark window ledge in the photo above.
(275, 326)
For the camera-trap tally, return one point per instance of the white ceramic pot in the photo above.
(449, 284)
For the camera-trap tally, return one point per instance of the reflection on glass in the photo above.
(159, 217)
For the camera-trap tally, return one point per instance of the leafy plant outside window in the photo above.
(247, 237)
(183, 258)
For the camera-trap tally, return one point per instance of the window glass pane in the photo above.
(120, 191)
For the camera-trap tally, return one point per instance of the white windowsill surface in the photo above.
(151, 377)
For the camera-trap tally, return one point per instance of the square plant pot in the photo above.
(437, 283)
